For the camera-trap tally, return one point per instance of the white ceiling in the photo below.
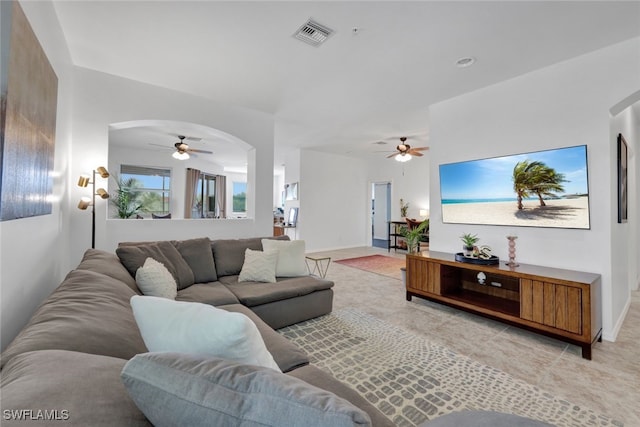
(359, 87)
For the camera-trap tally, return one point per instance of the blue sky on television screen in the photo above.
(491, 179)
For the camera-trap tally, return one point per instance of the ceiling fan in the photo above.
(183, 150)
(404, 151)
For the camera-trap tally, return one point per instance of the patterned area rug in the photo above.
(379, 264)
(412, 380)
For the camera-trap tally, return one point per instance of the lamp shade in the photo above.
(103, 172)
(102, 193)
(424, 212)
(84, 180)
(84, 203)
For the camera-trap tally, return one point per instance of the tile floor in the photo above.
(610, 383)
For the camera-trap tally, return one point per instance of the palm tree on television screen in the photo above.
(536, 178)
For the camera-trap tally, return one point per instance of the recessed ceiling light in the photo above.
(467, 61)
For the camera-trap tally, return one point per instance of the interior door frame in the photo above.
(370, 195)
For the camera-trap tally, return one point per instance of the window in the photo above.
(205, 203)
(148, 187)
(239, 196)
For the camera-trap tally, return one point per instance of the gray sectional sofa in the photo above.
(65, 366)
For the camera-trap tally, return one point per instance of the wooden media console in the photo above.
(563, 304)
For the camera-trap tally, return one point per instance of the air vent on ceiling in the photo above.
(313, 33)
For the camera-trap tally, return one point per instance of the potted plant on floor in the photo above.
(468, 242)
(412, 236)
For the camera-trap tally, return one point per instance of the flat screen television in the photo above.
(538, 189)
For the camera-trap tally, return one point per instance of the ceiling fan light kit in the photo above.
(180, 155)
(403, 157)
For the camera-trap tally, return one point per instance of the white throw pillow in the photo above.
(259, 266)
(290, 256)
(192, 327)
(154, 279)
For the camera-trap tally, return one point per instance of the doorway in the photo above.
(380, 214)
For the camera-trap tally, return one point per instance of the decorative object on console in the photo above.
(512, 251)
(85, 201)
(469, 240)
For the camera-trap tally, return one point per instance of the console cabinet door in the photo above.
(551, 304)
(423, 275)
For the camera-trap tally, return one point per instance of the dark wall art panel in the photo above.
(28, 118)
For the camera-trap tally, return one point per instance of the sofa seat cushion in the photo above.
(133, 257)
(257, 293)
(287, 355)
(228, 254)
(90, 313)
(84, 389)
(108, 264)
(212, 293)
(180, 389)
(319, 378)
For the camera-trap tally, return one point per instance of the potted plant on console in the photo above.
(469, 240)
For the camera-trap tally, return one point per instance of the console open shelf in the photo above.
(564, 304)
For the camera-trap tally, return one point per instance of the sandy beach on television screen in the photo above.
(565, 213)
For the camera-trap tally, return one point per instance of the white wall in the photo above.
(101, 99)
(39, 241)
(624, 241)
(562, 105)
(334, 194)
(409, 181)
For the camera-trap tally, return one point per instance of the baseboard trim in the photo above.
(616, 329)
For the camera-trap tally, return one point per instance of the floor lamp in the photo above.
(85, 201)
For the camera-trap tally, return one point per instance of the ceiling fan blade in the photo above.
(193, 150)
(421, 148)
(392, 155)
(415, 153)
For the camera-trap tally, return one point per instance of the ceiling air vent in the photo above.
(313, 33)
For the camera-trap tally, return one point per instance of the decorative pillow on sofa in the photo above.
(290, 256)
(133, 256)
(177, 389)
(198, 255)
(259, 266)
(154, 279)
(191, 327)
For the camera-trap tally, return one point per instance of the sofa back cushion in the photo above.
(133, 257)
(228, 254)
(198, 255)
(109, 264)
(90, 313)
(83, 390)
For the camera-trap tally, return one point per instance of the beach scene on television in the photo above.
(539, 189)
